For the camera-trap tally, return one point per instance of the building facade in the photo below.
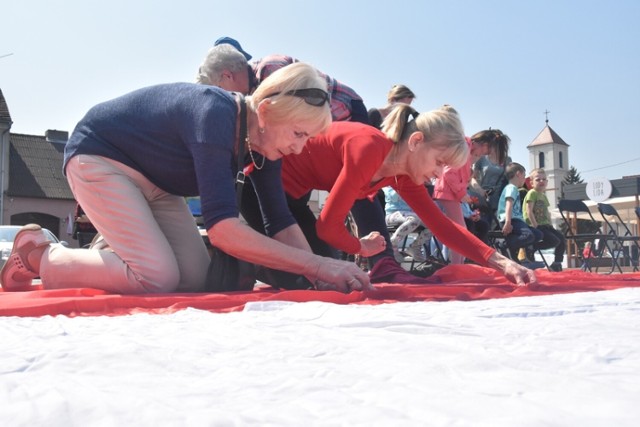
(34, 188)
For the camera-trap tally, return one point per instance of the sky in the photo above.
(500, 63)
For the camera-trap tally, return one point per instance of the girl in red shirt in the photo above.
(353, 161)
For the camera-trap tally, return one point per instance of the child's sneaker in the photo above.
(415, 252)
(397, 255)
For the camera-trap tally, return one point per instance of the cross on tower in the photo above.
(546, 116)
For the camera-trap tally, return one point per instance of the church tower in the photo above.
(549, 152)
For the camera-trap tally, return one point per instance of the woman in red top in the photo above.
(353, 161)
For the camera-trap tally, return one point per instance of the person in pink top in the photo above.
(353, 161)
(450, 188)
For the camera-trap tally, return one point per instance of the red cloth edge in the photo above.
(461, 283)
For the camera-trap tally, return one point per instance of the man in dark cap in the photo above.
(224, 69)
(234, 43)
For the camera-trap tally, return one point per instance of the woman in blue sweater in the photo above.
(131, 161)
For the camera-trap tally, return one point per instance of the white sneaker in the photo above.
(397, 255)
(416, 253)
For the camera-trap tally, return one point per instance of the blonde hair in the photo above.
(284, 108)
(449, 108)
(399, 92)
(537, 171)
(442, 130)
(220, 58)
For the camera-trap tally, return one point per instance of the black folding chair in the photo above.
(497, 239)
(576, 207)
(614, 221)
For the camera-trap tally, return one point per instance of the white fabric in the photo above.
(560, 360)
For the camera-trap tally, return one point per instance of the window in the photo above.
(541, 160)
(560, 160)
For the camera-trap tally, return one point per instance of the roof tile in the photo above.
(547, 136)
(36, 168)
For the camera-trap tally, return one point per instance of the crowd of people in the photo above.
(132, 161)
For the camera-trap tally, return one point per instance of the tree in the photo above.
(584, 226)
(573, 177)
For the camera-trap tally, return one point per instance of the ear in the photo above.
(226, 74)
(415, 138)
(262, 111)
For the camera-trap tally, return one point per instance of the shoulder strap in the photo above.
(240, 176)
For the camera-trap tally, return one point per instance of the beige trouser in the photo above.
(155, 244)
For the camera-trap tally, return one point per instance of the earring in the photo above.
(261, 130)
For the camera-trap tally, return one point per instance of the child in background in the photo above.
(451, 186)
(536, 214)
(522, 252)
(398, 213)
(474, 222)
(488, 171)
(518, 233)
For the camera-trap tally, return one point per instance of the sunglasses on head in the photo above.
(312, 96)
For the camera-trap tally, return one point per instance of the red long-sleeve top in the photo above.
(343, 161)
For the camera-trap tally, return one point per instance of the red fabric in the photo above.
(343, 161)
(459, 282)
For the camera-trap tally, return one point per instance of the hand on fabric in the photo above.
(341, 276)
(513, 271)
(371, 244)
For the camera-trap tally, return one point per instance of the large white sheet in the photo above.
(560, 360)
